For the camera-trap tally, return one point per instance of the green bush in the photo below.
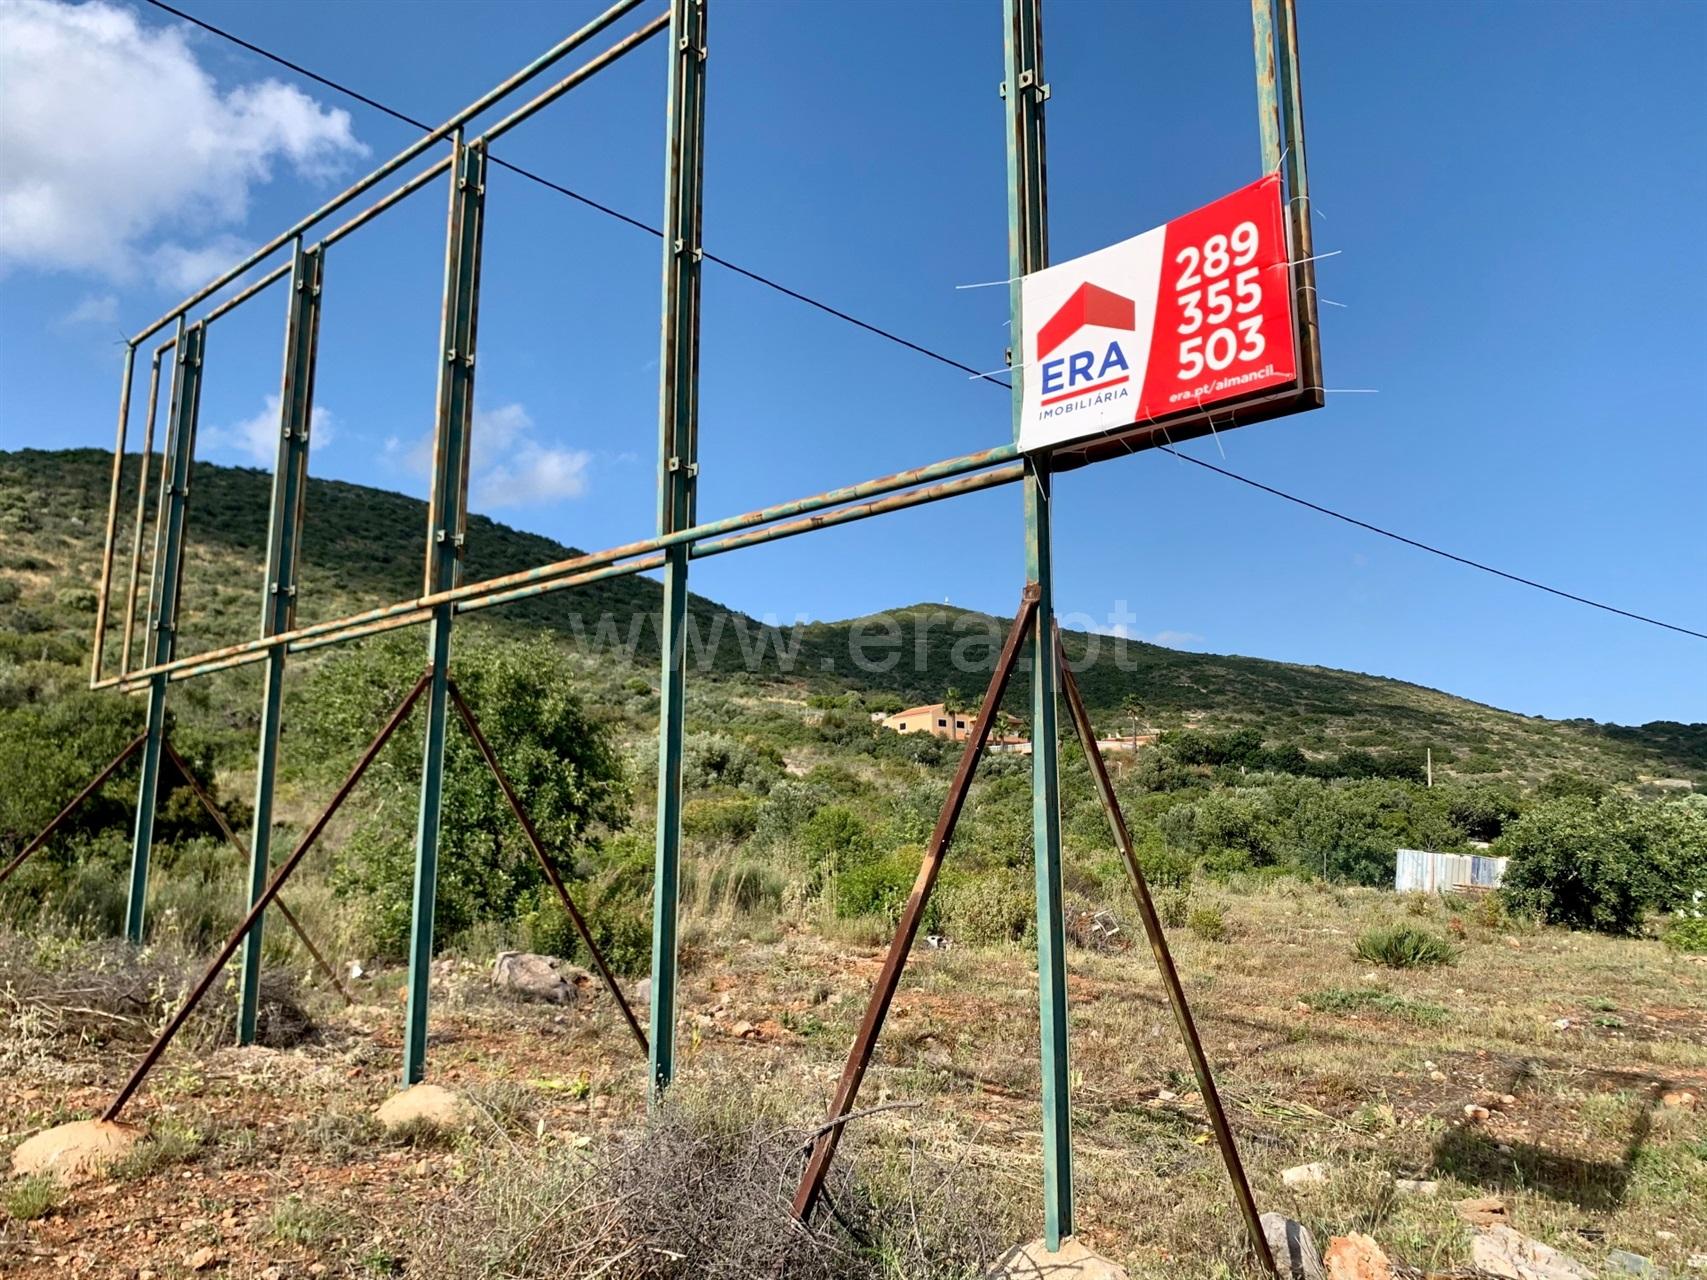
(722, 819)
(1687, 934)
(1604, 863)
(987, 908)
(1404, 947)
(1208, 922)
(880, 885)
(1174, 907)
(833, 839)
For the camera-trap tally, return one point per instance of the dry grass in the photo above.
(1318, 1055)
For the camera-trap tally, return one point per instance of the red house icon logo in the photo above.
(1089, 305)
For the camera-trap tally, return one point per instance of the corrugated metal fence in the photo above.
(1421, 870)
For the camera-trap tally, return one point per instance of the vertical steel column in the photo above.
(447, 525)
(678, 468)
(168, 580)
(278, 600)
(1028, 250)
(1268, 95)
(1298, 205)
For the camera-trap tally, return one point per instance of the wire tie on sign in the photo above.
(1331, 253)
(989, 284)
(1307, 200)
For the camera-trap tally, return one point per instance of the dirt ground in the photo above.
(265, 1162)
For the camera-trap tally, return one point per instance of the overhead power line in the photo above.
(896, 338)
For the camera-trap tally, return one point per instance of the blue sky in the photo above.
(1516, 192)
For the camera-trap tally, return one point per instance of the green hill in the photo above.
(362, 547)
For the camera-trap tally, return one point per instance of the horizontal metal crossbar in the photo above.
(910, 488)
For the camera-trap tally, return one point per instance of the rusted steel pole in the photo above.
(225, 830)
(538, 845)
(141, 515)
(1165, 965)
(75, 803)
(98, 648)
(289, 865)
(889, 978)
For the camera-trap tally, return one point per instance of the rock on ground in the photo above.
(1511, 1255)
(536, 977)
(1305, 1174)
(1072, 1261)
(424, 1104)
(77, 1151)
(1357, 1257)
(1294, 1251)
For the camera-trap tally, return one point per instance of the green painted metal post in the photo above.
(278, 602)
(678, 467)
(447, 525)
(1025, 93)
(168, 581)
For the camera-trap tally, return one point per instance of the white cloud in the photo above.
(256, 439)
(1176, 639)
(112, 132)
(509, 466)
(92, 309)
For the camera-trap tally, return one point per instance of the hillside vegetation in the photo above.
(362, 547)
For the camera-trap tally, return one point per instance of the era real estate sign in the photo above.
(1171, 322)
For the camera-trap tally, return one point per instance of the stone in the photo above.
(1475, 1114)
(1511, 1255)
(1072, 1261)
(1416, 1186)
(75, 1152)
(1356, 1257)
(642, 993)
(1679, 1099)
(1625, 1263)
(1305, 1175)
(743, 1030)
(429, 1105)
(1483, 1211)
(201, 1259)
(537, 977)
(1294, 1251)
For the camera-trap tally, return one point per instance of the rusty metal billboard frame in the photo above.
(681, 538)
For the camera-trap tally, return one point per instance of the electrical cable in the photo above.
(881, 332)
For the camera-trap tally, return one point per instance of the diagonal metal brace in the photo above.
(268, 895)
(889, 979)
(1165, 965)
(538, 846)
(75, 803)
(225, 830)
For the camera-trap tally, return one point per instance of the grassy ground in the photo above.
(268, 1157)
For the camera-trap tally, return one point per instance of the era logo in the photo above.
(1091, 368)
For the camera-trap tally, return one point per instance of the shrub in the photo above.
(1404, 947)
(1174, 907)
(1601, 864)
(987, 909)
(880, 885)
(1208, 922)
(834, 838)
(726, 819)
(1687, 934)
